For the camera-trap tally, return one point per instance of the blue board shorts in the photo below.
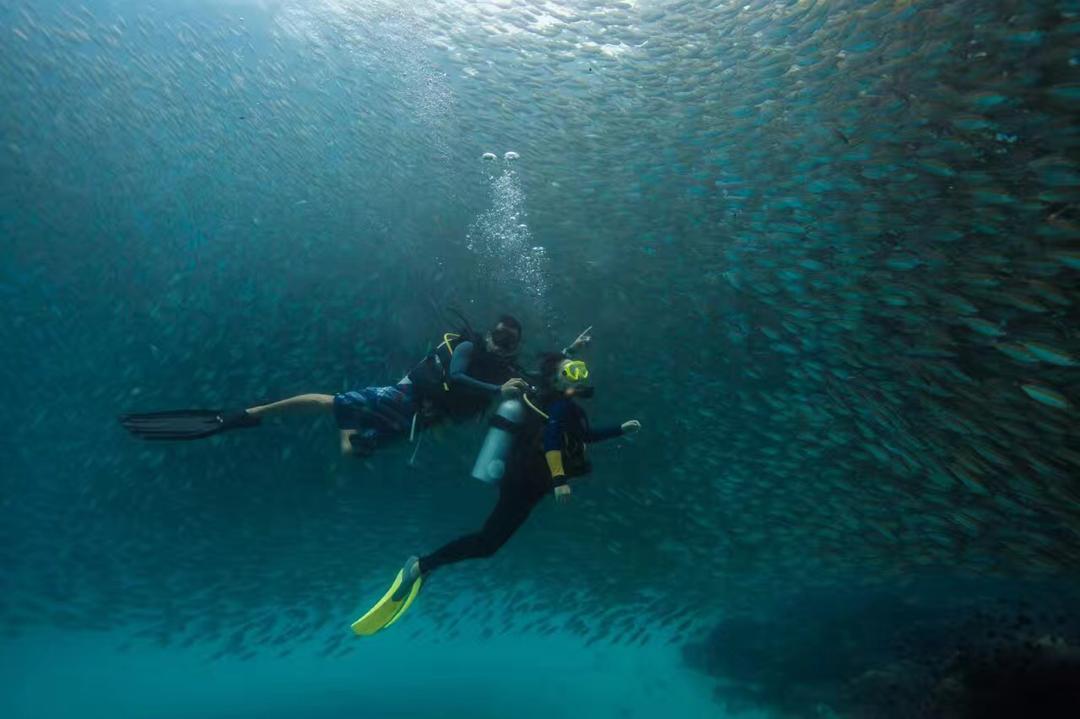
(378, 413)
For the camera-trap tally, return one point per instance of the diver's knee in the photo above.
(322, 400)
(490, 545)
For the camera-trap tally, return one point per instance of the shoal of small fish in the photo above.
(830, 251)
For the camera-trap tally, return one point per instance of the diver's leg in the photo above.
(304, 404)
(195, 424)
(372, 417)
(300, 404)
(346, 440)
(516, 502)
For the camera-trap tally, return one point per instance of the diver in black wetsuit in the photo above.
(456, 380)
(548, 454)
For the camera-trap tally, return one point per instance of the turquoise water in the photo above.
(829, 255)
(531, 676)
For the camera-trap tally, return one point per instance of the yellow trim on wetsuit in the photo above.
(554, 460)
(553, 456)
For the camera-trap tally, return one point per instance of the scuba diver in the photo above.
(533, 448)
(456, 380)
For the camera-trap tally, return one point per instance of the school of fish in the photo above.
(830, 252)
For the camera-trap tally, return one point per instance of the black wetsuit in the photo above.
(479, 371)
(473, 377)
(528, 479)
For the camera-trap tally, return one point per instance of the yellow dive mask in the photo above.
(575, 371)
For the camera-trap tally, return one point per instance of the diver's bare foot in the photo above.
(357, 444)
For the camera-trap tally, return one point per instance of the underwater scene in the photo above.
(539, 358)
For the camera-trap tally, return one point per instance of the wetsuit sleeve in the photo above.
(598, 435)
(553, 442)
(602, 433)
(459, 367)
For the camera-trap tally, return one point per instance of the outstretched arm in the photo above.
(581, 341)
(617, 430)
(459, 368)
(599, 434)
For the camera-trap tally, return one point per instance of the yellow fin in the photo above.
(408, 601)
(386, 611)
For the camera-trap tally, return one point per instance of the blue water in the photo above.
(828, 253)
(72, 674)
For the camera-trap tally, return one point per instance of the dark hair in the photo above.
(510, 322)
(549, 365)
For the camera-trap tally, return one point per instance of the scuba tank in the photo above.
(507, 421)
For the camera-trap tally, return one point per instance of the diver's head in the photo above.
(565, 376)
(504, 338)
(572, 375)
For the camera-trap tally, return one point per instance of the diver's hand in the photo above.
(582, 339)
(562, 493)
(631, 426)
(513, 388)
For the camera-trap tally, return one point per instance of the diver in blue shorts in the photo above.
(456, 380)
